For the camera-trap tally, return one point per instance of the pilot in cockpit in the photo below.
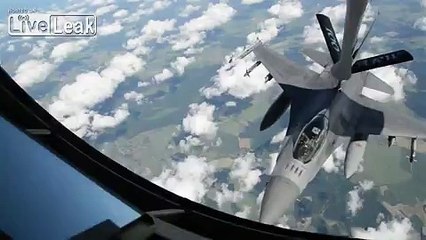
(307, 143)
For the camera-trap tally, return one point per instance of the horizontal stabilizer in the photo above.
(319, 57)
(330, 37)
(373, 82)
(381, 61)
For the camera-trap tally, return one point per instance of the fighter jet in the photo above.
(328, 109)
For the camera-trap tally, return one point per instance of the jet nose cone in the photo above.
(280, 194)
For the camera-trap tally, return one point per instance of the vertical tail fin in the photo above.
(330, 37)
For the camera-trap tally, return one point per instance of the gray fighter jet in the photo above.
(327, 109)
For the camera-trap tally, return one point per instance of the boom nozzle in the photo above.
(354, 11)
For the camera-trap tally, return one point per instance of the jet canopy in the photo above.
(311, 139)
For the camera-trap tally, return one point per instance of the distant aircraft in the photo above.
(328, 109)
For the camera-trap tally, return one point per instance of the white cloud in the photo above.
(244, 213)
(143, 10)
(120, 13)
(162, 76)
(128, 63)
(284, 12)
(73, 104)
(199, 120)
(214, 16)
(143, 84)
(99, 2)
(39, 48)
(160, 4)
(188, 41)
(287, 10)
(279, 137)
(249, 2)
(231, 80)
(101, 122)
(313, 35)
(134, 96)
(245, 173)
(336, 160)
(65, 49)
(355, 202)
(191, 178)
(420, 24)
(225, 195)
(193, 31)
(231, 104)
(89, 89)
(268, 30)
(218, 142)
(380, 217)
(109, 28)
(32, 72)
(105, 9)
(188, 10)
(180, 63)
(3, 30)
(153, 30)
(377, 39)
(190, 141)
(366, 185)
(10, 48)
(192, 51)
(392, 230)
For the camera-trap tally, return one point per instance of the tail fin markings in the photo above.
(381, 60)
(330, 37)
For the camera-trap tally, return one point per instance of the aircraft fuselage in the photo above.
(317, 127)
(304, 151)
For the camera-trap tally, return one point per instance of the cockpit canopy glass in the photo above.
(311, 139)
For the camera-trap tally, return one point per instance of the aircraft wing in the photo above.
(380, 119)
(287, 72)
